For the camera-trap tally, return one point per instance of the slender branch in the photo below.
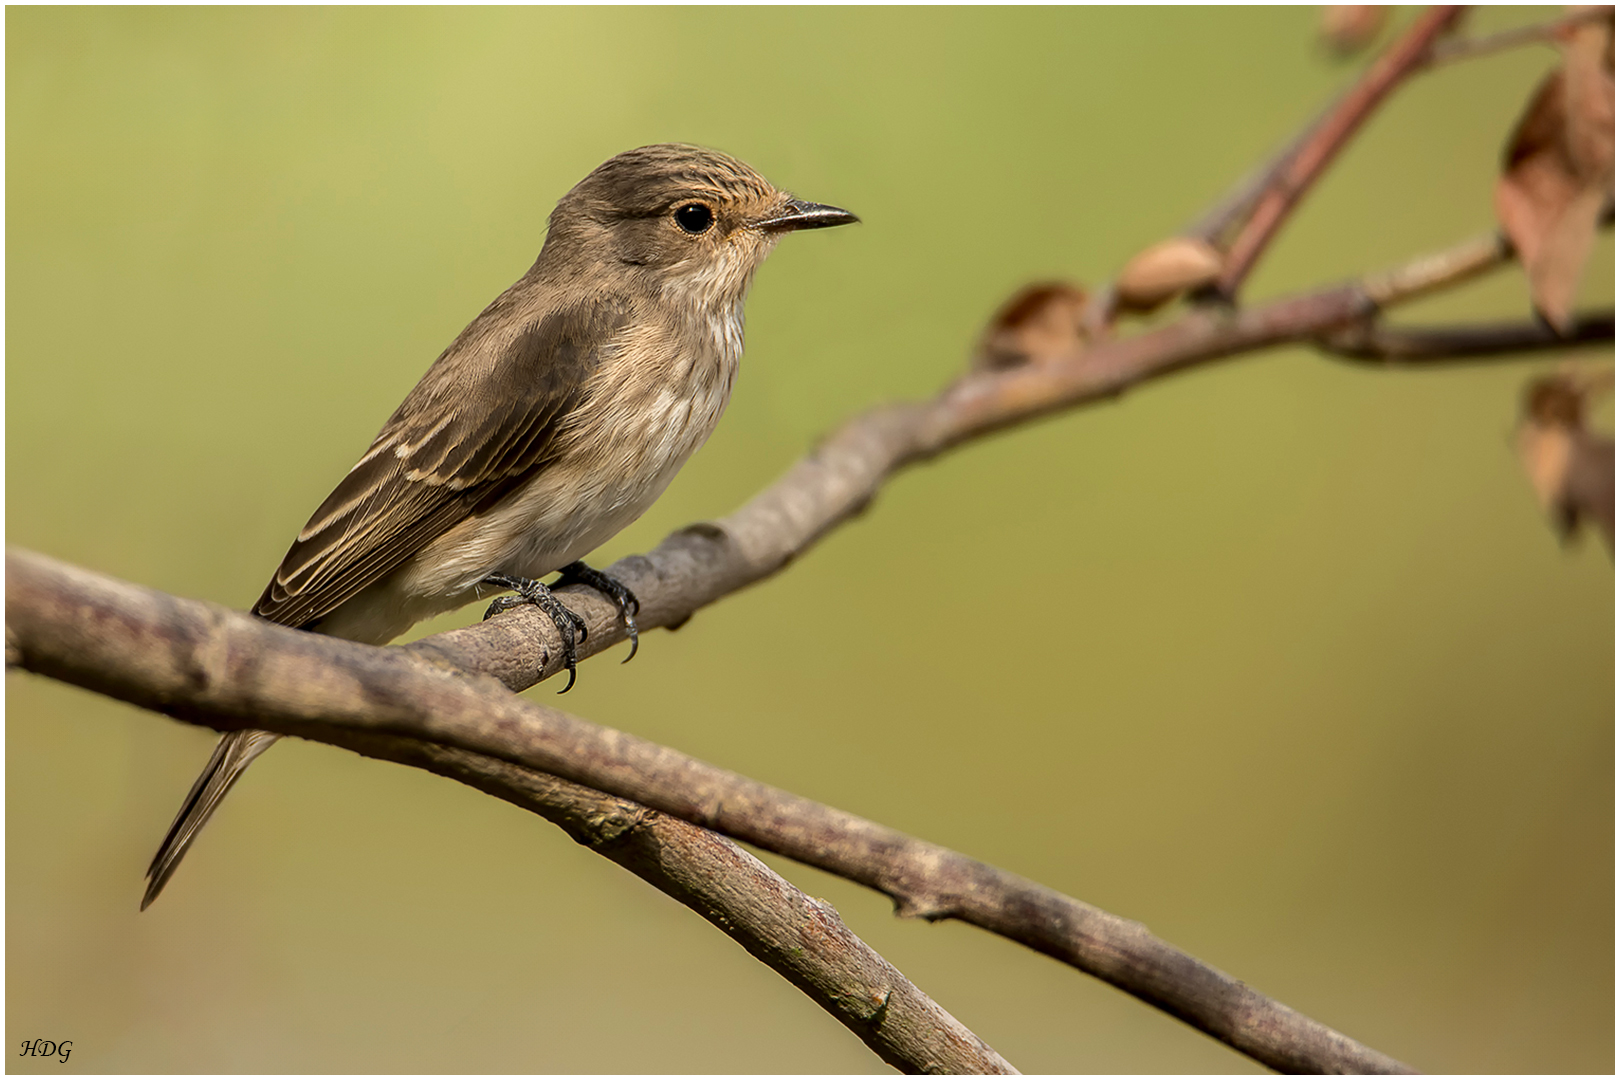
(1283, 178)
(1289, 184)
(1235, 206)
(1319, 141)
(1401, 346)
(799, 937)
(1457, 49)
(1439, 270)
(204, 664)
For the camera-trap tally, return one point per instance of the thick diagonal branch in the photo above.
(205, 664)
(799, 937)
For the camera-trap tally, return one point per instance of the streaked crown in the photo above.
(680, 221)
(648, 181)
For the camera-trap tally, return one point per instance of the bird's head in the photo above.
(691, 223)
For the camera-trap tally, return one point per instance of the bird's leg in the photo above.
(577, 573)
(529, 591)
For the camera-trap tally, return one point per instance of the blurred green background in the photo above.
(1277, 657)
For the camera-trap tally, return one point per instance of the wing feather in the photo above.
(473, 428)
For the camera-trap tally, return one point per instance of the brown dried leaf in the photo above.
(1545, 451)
(1589, 86)
(1349, 28)
(1166, 270)
(1037, 324)
(1571, 469)
(1559, 171)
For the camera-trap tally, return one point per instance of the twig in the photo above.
(1289, 184)
(1400, 346)
(1431, 273)
(1287, 173)
(1235, 206)
(1230, 210)
(204, 664)
(1237, 203)
(1457, 49)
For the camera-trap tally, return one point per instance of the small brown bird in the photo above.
(553, 421)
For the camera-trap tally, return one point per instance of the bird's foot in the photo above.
(577, 573)
(529, 591)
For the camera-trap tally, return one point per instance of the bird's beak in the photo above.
(798, 214)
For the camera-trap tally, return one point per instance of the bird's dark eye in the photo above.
(694, 217)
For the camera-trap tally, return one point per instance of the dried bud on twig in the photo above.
(1038, 323)
(1166, 270)
(1559, 171)
(1570, 467)
(1349, 28)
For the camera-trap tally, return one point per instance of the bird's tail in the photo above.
(234, 753)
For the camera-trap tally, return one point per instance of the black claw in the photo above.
(502, 604)
(577, 573)
(529, 591)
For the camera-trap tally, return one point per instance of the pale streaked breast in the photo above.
(644, 414)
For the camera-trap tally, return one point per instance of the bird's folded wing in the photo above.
(482, 420)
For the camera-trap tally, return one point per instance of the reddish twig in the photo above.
(1307, 163)
(1271, 190)
(1458, 49)
(1238, 203)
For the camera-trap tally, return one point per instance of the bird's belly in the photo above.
(558, 519)
(574, 503)
(559, 516)
(606, 474)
